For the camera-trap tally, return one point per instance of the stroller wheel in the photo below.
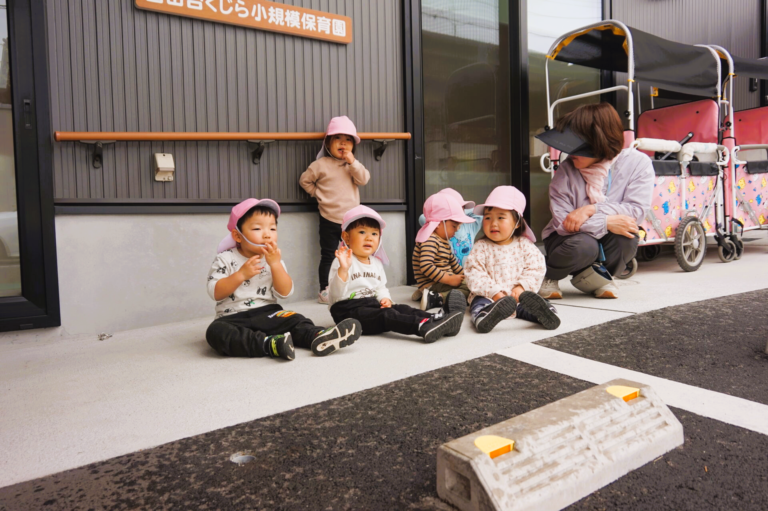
(690, 244)
(648, 252)
(739, 246)
(629, 271)
(727, 251)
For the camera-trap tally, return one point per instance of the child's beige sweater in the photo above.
(334, 184)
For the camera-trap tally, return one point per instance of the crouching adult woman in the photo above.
(598, 196)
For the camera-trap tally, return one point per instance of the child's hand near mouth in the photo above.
(348, 156)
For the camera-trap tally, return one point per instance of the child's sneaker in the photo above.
(455, 301)
(494, 313)
(533, 307)
(280, 346)
(431, 300)
(416, 296)
(441, 325)
(322, 297)
(336, 337)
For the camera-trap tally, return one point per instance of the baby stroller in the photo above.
(686, 69)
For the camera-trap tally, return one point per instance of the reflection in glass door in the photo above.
(465, 48)
(547, 20)
(10, 270)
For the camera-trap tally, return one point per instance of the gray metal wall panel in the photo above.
(732, 24)
(116, 68)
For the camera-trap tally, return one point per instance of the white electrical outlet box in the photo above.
(164, 167)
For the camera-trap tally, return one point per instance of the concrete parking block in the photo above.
(553, 456)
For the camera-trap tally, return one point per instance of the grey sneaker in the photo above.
(455, 301)
(550, 290)
(608, 291)
(494, 313)
(336, 337)
(322, 296)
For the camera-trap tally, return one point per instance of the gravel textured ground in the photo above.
(716, 344)
(376, 450)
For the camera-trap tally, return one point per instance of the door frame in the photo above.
(38, 306)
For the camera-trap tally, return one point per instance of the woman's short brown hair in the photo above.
(599, 125)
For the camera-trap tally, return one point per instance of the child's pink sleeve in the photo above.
(360, 175)
(534, 266)
(308, 180)
(479, 279)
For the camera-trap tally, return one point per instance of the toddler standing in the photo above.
(333, 179)
(358, 285)
(246, 278)
(505, 269)
(438, 273)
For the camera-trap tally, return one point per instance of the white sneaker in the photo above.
(607, 291)
(550, 289)
(322, 297)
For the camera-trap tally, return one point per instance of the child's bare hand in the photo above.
(386, 303)
(453, 280)
(344, 255)
(272, 254)
(348, 157)
(517, 291)
(251, 267)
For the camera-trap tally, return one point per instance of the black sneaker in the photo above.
(455, 301)
(439, 326)
(336, 337)
(280, 346)
(542, 311)
(495, 313)
(431, 300)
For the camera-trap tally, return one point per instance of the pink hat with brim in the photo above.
(458, 198)
(359, 212)
(509, 198)
(237, 213)
(339, 126)
(440, 207)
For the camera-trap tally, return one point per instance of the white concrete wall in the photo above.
(119, 272)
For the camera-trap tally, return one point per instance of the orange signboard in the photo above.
(260, 14)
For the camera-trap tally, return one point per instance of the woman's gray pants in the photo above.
(569, 255)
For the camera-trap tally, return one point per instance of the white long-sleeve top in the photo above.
(251, 294)
(491, 268)
(364, 281)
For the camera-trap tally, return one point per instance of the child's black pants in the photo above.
(330, 237)
(243, 334)
(402, 319)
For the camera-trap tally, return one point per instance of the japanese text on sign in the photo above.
(260, 14)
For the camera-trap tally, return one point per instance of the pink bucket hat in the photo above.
(509, 198)
(237, 213)
(458, 198)
(359, 212)
(339, 125)
(439, 208)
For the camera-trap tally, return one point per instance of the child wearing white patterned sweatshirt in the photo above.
(505, 269)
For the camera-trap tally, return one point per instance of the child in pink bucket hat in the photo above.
(245, 280)
(438, 273)
(505, 268)
(333, 179)
(358, 285)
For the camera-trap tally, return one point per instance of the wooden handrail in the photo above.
(192, 136)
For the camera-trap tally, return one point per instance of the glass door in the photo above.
(28, 276)
(10, 267)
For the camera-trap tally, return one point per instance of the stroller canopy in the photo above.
(753, 68)
(612, 46)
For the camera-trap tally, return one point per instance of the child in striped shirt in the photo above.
(438, 273)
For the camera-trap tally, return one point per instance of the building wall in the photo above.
(732, 24)
(120, 272)
(117, 68)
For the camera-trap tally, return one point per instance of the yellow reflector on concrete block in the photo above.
(625, 393)
(493, 445)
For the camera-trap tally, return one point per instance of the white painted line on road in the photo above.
(708, 403)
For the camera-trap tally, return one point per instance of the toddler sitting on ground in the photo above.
(505, 269)
(438, 273)
(358, 285)
(246, 278)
